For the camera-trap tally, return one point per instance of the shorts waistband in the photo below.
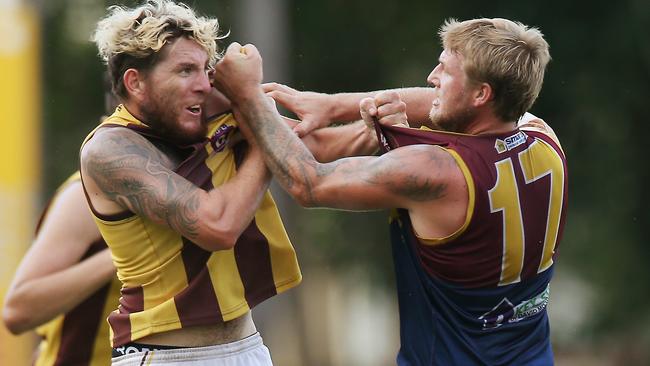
(133, 347)
(219, 350)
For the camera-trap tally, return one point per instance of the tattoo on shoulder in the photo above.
(130, 171)
(416, 182)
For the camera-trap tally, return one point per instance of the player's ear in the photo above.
(134, 83)
(482, 94)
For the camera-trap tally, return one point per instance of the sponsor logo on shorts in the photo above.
(126, 350)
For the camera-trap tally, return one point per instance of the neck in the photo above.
(135, 111)
(489, 125)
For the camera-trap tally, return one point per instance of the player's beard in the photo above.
(458, 121)
(160, 114)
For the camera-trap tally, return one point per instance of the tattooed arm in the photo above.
(122, 170)
(405, 177)
(400, 178)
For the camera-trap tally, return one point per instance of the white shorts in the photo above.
(249, 351)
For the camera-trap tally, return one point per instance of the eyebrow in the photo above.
(186, 64)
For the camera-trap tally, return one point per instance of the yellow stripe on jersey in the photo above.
(51, 342)
(268, 221)
(227, 283)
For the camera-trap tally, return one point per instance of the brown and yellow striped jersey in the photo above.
(81, 336)
(169, 282)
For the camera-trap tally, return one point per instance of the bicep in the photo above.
(128, 170)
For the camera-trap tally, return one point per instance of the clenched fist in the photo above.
(386, 107)
(239, 73)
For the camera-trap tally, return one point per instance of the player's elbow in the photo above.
(214, 230)
(220, 233)
(218, 239)
(226, 239)
(15, 321)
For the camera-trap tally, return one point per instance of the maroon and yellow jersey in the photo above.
(81, 336)
(170, 282)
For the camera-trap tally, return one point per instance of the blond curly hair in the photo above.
(132, 38)
(509, 56)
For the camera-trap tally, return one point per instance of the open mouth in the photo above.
(195, 109)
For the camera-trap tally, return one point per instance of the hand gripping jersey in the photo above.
(81, 336)
(479, 296)
(170, 282)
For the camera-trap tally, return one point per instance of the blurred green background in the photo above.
(595, 96)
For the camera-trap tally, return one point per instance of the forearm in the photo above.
(332, 143)
(42, 299)
(291, 163)
(344, 107)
